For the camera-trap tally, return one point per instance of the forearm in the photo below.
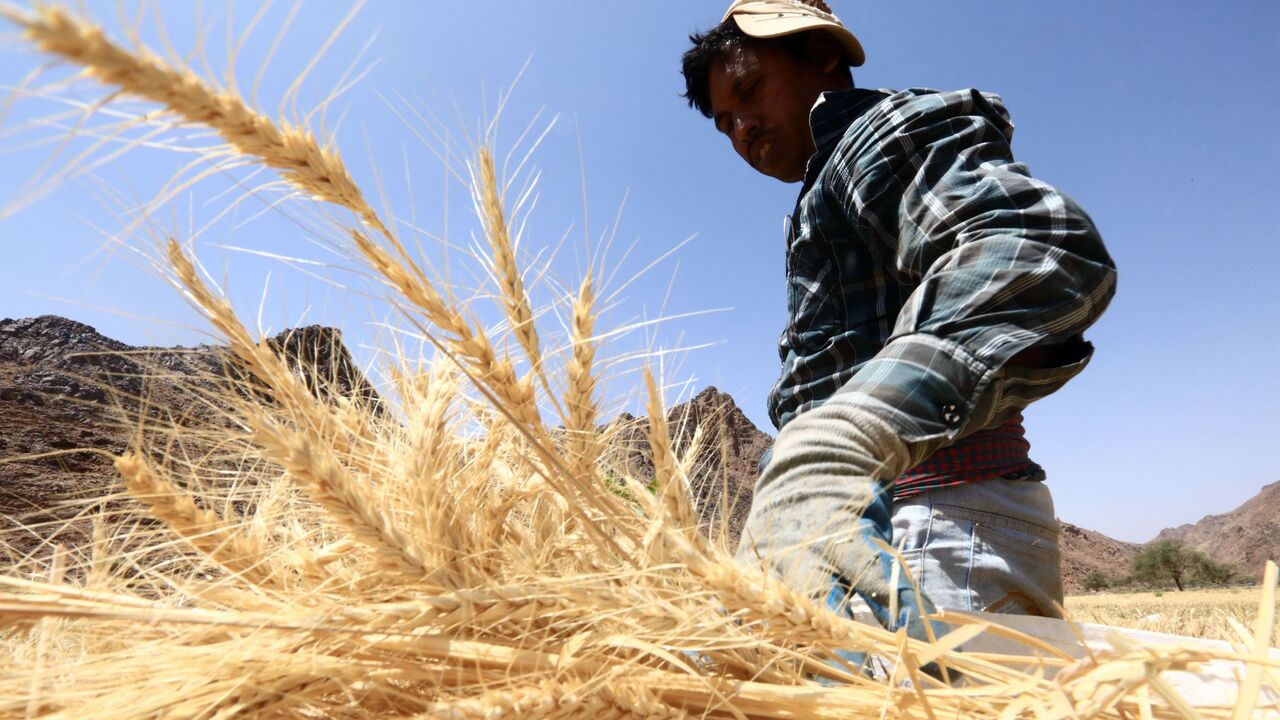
(824, 482)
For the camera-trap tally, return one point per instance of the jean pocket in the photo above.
(1003, 541)
(1017, 569)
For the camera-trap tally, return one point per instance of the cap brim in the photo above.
(771, 25)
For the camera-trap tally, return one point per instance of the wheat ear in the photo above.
(672, 485)
(305, 452)
(431, 454)
(205, 531)
(580, 406)
(515, 299)
(302, 161)
(469, 344)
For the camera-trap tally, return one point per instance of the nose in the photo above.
(745, 126)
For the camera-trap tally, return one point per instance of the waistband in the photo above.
(998, 452)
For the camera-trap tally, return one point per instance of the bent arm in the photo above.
(1007, 273)
(1007, 270)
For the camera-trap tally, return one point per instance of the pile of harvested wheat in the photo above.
(447, 554)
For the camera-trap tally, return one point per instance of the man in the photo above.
(934, 290)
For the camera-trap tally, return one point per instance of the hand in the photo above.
(884, 586)
(821, 519)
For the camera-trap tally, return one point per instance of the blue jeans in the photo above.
(985, 546)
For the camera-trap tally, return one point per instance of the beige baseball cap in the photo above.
(775, 18)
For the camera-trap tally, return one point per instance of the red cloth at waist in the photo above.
(984, 455)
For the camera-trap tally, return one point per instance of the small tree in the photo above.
(1211, 572)
(1163, 561)
(1095, 581)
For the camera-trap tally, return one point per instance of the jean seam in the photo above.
(1020, 545)
(968, 573)
(997, 520)
(928, 535)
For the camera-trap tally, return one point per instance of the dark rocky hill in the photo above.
(729, 464)
(726, 466)
(66, 393)
(1085, 551)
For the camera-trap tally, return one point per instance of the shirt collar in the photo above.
(830, 117)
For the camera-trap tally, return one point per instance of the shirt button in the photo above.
(951, 414)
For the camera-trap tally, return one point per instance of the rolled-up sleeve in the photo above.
(1001, 263)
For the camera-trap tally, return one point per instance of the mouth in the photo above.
(759, 151)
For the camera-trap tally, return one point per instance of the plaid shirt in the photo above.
(921, 258)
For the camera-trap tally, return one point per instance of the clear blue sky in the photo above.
(1160, 119)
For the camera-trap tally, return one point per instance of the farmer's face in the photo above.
(761, 97)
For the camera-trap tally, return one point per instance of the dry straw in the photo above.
(455, 557)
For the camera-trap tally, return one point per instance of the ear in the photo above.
(824, 52)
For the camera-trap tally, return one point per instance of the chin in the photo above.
(791, 177)
(786, 174)
(776, 173)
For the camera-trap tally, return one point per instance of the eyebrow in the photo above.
(735, 90)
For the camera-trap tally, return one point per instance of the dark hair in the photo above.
(713, 44)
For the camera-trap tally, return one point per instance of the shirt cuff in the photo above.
(934, 391)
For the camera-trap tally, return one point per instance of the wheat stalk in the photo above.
(297, 449)
(209, 533)
(671, 483)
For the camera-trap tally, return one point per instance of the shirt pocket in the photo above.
(813, 298)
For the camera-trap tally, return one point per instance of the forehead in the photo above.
(731, 67)
(734, 64)
(736, 61)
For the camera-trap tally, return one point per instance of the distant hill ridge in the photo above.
(53, 372)
(1246, 537)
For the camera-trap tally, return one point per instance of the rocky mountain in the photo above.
(1246, 537)
(66, 392)
(1085, 551)
(730, 462)
(66, 396)
(725, 467)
